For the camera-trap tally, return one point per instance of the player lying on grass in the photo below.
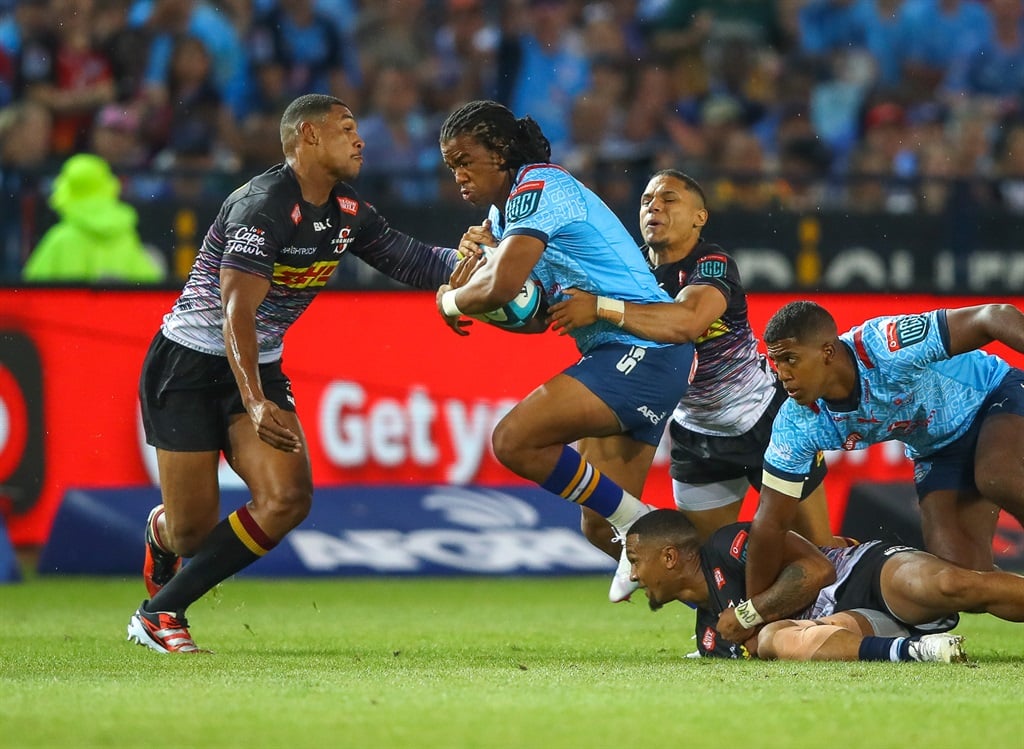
(875, 601)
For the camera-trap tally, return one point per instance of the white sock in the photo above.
(894, 649)
(627, 513)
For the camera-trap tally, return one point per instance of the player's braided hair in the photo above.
(305, 107)
(517, 141)
(802, 321)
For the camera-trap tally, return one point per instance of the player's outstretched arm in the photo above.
(682, 321)
(973, 327)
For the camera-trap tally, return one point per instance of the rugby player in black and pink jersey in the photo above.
(212, 380)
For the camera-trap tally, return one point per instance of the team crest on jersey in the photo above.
(348, 205)
(524, 200)
(713, 266)
(719, 578)
(906, 331)
(296, 214)
(738, 549)
(850, 443)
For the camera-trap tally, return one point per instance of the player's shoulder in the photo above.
(546, 179)
(540, 185)
(729, 541)
(710, 261)
(795, 417)
(546, 171)
(348, 200)
(880, 338)
(711, 251)
(275, 188)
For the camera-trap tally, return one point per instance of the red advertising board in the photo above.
(387, 394)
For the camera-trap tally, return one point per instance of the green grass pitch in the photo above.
(382, 664)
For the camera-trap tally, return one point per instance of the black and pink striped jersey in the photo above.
(266, 228)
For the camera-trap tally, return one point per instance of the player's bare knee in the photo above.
(505, 446)
(766, 648)
(288, 507)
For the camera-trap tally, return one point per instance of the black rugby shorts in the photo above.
(187, 396)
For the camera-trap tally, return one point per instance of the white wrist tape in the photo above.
(611, 310)
(448, 305)
(747, 615)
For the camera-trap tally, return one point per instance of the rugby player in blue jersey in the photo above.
(722, 425)
(919, 379)
(212, 380)
(616, 399)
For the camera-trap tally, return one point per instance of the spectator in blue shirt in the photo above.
(995, 69)
(830, 25)
(547, 69)
(167, 18)
(937, 34)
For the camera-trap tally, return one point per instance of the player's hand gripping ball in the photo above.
(531, 302)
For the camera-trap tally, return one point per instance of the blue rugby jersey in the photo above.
(908, 389)
(588, 248)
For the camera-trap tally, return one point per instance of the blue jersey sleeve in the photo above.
(903, 345)
(544, 201)
(799, 434)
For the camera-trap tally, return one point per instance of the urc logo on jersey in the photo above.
(906, 331)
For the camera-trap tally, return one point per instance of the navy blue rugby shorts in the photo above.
(952, 467)
(642, 385)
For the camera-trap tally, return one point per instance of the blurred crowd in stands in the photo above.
(871, 105)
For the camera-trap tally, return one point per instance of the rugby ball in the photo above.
(529, 303)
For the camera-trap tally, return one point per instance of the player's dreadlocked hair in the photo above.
(691, 184)
(517, 141)
(666, 527)
(803, 321)
(306, 107)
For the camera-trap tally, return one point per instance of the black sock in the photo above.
(233, 544)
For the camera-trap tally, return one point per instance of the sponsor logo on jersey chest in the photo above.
(247, 240)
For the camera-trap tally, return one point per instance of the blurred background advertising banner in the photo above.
(388, 395)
